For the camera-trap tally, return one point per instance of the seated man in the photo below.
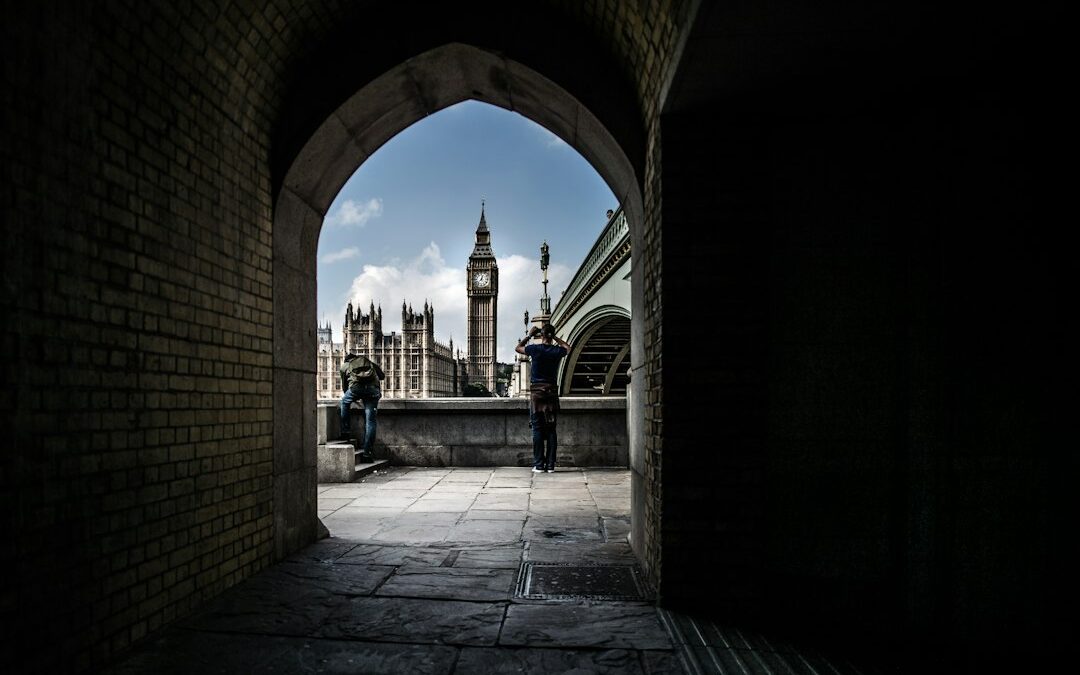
(360, 378)
(544, 393)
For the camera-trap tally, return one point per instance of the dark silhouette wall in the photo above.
(858, 439)
(867, 453)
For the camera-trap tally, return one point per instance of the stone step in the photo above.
(363, 469)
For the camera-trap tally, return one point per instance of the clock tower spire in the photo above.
(482, 291)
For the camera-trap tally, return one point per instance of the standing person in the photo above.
(544, 392)
(360, 378)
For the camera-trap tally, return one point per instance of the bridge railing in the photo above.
(612, 244)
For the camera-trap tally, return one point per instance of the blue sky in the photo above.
(402, 227)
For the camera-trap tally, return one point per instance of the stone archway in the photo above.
(417, 87)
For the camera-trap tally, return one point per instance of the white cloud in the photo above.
(428, 277)
(356, 213)
(551, 140)
(343, 254)
(520, 288)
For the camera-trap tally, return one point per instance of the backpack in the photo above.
(362, 372)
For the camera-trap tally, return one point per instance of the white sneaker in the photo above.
(535, 470)
(551, 470)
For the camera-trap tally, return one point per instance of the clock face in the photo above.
(481, 279)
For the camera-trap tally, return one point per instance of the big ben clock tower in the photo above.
(482, 288)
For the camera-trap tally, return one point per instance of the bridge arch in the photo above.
(600, 358)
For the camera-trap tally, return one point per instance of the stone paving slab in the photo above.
(181, 652)
(451, 489)
(498, 481)
(367, 511)
(567, 501)
(562, 528)
(598, 625)
(418, 485)
(609, 492)
(333, 503)
(376, 495)
(299, 611)
(450, 583)
(547, 661)
(299, 579)
(346, 657)
(616, 528)
(606, 475)
(657, 662)
(467, 477)
(563, 477)
(557, 509)
(429, 505)
(411, 533)
(542, 486)
(369, 554)
(416, 621)
(508, 557)
(326, 550)
(502, 502)
(433, 518)
(612, 506)
(485, 514)
(330, 577)
(567, 496)
(488, 531)
(606, 553)
(351, 491)
(357, 527)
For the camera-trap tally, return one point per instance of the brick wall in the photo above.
(137, 337)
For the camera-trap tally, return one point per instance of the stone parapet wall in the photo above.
(487, 432)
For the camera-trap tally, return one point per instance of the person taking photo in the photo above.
(544, 360)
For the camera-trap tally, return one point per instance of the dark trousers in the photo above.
(543, 433)
(370, 396)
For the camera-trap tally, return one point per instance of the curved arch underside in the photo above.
(435, 80)
(600, 360)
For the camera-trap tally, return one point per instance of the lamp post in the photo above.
(545, 301)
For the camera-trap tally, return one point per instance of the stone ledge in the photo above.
(477, 432)
(474, 405)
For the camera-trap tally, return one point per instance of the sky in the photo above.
(404, 224)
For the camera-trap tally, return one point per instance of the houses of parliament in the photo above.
(415, 363)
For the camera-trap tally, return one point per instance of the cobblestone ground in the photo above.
(463, 570)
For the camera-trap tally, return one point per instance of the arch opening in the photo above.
(382, 108)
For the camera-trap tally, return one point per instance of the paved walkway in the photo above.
(465, 570)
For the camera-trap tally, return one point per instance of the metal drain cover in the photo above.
(565, 581)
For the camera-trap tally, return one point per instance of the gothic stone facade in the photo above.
(416, 365)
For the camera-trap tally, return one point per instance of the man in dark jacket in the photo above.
(360, 378)
(544, 392)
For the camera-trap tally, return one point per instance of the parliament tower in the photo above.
(482, 289)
